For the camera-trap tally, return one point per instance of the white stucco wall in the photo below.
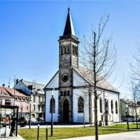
(47, 112)
(78, 117)
(78, 80)
(112, 117)
(54, 83)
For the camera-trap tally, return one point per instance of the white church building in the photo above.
(72, 98)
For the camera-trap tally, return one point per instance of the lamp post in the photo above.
(52, 110)
(136, 115)
(126, 111)
(21, 110)
(30, 115)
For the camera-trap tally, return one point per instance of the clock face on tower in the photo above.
(65, 60)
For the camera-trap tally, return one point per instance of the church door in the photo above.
(66, 111)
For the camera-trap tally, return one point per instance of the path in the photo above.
(119, 136)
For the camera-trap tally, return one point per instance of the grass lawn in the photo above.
(131, 126)
(61, 133)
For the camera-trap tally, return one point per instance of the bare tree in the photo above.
(134, 90)
(135, 79)
(99, 58)
(135, 66)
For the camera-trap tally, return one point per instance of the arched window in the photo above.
(106, 106)
(112, 106)
(116, 105)
(61, 93)
(73, 49)
(68, 93)
(62, 51)
(101, 105)
(52, 105)
(76, 51)
(65, 50)
(65, 93)
(80, 105)
(68, 51)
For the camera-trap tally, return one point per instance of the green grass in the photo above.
(62, 133)
(123, 126)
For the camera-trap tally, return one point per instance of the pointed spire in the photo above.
(69, 30)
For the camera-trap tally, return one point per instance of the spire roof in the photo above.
(69, 30)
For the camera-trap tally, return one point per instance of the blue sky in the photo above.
(30, 29)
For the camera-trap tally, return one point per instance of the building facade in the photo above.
(129, 109)
(73, 98)
(12, 97)
(37, 96)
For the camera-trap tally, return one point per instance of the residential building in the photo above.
(128, 109)
(37, 96)
(12, 97)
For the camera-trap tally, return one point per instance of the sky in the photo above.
(30, 29)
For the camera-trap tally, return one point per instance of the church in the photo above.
(68, 89)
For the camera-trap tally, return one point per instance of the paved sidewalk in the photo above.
(11, 138)
(55, 126)
(119, 136)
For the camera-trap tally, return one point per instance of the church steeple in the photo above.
(68, 59)
(68, 45)
(69, 30)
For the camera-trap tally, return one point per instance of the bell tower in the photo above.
(68, 58)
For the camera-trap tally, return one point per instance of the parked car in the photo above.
(138, 119)
(130, 119)
(22, 121)
(40, 119)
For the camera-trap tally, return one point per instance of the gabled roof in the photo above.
(88, 76)
(128, 102)
(13, 92)
(69, 29)
(5, 91)
(51, 80)
(39, 87)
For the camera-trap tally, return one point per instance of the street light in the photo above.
(126, 111)
(21, 110)
(30, 114)
(136, 115)
(52, 110)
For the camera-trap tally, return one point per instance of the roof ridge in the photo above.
(103, 83)
(33, 82)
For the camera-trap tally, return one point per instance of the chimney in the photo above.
(3, 85)
(16, 81)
